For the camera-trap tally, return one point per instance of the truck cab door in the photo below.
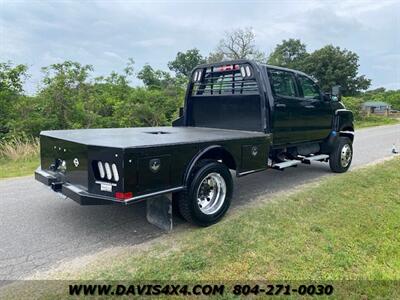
(286, 118)
(317, 112)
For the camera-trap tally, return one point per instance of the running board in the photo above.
(320, 157)
(305, 160)
(286, 164)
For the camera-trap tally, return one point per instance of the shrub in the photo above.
(353, 104)
(19, 148)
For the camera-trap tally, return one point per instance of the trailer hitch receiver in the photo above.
(56, 186)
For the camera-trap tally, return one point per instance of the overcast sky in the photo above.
(106, 33)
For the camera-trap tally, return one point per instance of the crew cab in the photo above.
(239, 117)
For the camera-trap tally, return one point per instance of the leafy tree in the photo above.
(185, 62)
(155, 79)
(59, 103)
(68, 98)
(65, 90)
(376, 91)
(146, 107)
(391, 97)
(12, 79)
(290, 54)
(238, 44)
(106, 94)
(29, 117)
(353, 104)
(215, 57)
(329, 65)
(334, 66)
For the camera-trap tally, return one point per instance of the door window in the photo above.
(310, 89)
(282, 83)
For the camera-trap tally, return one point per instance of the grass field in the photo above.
(344, 228)
(375, 121)
(19, 157)
(20, 167)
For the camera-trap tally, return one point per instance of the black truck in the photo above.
(238, 116)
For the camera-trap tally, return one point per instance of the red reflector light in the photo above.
(227, 68)
(123, 196)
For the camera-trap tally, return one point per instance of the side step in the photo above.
(321, 157)
(305, 160)
(286, 164)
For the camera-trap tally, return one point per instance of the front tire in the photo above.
(341, 157)
(208, 194)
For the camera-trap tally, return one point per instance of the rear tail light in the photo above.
(197, 76)
(243, 72)
(107, 171)
(227, 68)
(123, 196)
(248, 71)
(115, 172)
(101, 169)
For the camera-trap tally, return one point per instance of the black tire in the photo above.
(188, 202)
(338, 162)
(176, 198)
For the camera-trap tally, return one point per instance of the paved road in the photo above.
(38, 229)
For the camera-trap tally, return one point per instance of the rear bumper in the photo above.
(82, 197)
(74, 192)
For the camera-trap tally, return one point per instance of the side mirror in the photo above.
(335, 94)
(180, 111)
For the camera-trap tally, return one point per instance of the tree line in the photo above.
(71, 97)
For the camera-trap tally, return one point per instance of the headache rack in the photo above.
(224, 80)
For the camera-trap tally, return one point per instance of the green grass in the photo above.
(20, 167)
(345, 228)
(375, 121)
(18, 157)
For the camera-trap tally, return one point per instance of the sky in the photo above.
(106, 33)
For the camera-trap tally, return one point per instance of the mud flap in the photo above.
(159, 211)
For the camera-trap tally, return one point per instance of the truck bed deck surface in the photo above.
(148, 136)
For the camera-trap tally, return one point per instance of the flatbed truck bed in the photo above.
(140, 137)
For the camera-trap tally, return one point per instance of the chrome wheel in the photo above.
(211, 193)
(345, 155)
